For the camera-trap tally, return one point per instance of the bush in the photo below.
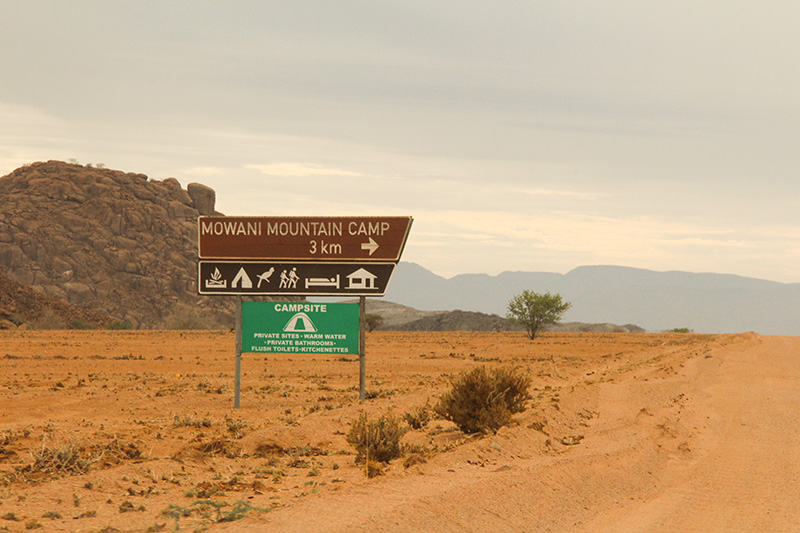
(80, 323)
(119, 325)
(482, 401)
(376, 441)
(373, 321)
(418, 417)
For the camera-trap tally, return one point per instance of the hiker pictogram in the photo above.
(289, 279)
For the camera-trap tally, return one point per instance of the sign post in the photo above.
(238, 372)
(362, 349)
(299, 256)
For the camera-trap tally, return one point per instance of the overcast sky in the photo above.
(535, 136)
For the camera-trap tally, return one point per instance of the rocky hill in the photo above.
(460, 321)
(394, 315)
(22, 305)
(474, 321)
(398, 317)
(113, 243)
(583, 327)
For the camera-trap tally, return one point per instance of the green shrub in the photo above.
(373, 321)
(80, 323)
(376, 440)
(482, 401)
(119, 324)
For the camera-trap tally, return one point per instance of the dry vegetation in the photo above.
(483, 400)
(121, 430)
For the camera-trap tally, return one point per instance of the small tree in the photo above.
(534, 310)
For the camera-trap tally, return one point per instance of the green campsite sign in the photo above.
(300, 327)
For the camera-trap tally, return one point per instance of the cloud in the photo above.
(16, 115)
(450, 242)
(300, 170)
(553, 192)
(205, 171)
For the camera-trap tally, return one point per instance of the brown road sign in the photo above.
(293, 278)
(379, 239)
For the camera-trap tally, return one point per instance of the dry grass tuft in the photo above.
(191, 421)
(67, 458)
(72, 458)
(236, 426)
(376, 440)
(418, 417)
(374, 469)
(220, 446)
(414, 459)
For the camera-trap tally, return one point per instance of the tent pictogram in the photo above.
(300, 323)
(242, 279)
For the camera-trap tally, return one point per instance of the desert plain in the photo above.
(136, 431)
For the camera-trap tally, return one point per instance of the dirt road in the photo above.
(745, 471)
(710, 443)
(135, 431)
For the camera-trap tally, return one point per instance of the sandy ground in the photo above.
(626, 432)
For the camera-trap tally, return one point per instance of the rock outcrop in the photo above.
(107, 241)
(21, 306)
(203, 198)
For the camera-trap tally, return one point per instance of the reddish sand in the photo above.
(626, 432)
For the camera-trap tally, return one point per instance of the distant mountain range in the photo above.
(656, 301)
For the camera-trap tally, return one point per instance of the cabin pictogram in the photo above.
(361, 279)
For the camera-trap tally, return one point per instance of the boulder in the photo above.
(203, 198)
(78, 293)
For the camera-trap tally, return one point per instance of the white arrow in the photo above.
(371, 245)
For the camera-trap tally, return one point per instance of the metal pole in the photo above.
(362, 348)
(238, 372)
